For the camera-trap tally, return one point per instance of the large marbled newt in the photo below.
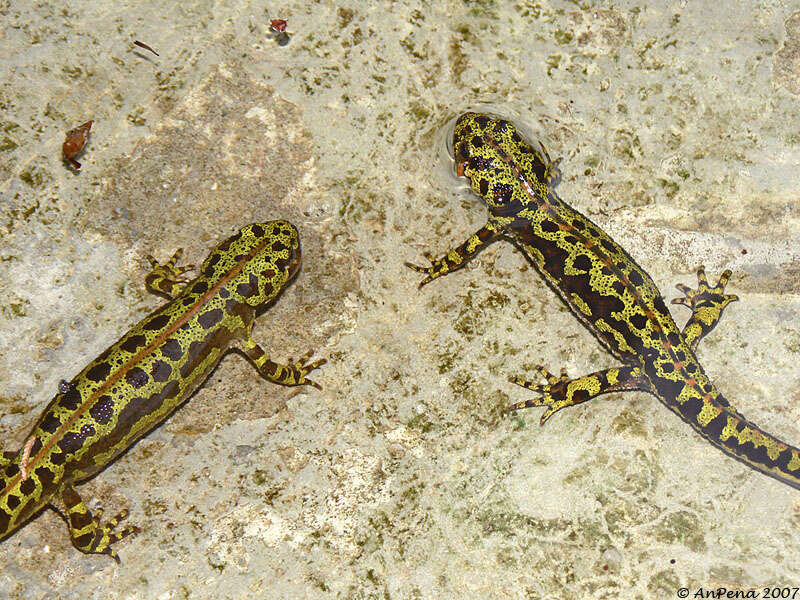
(141, 379)
(607, 291)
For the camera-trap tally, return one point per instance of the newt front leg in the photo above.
(166, 280)
(87, 534)
(291, 374)
(458, 257)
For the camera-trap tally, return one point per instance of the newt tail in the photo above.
(737, 437)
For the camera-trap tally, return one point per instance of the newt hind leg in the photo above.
(561, 392)
(707, 303)
(87, 534)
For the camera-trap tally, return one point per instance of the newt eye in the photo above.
(501, 126)
(479, 163)
(502, 192)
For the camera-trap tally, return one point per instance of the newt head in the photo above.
(295, 260)
(502, 168)
(275, 260)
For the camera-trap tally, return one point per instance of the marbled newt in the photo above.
(607, 291)
(141, 379)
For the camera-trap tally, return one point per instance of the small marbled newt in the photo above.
(141, 379)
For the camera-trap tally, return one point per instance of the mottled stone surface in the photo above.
(678, 126)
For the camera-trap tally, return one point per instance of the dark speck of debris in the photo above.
(73, 145)
(744, 250)
(277, 27)
(145, 46)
